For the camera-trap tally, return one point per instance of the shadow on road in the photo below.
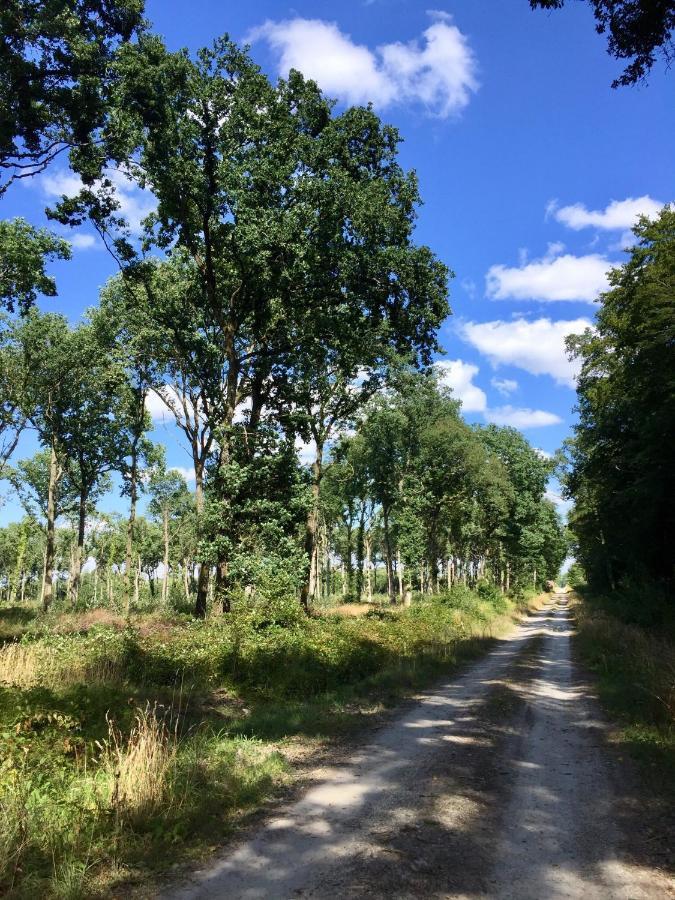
(497, 784)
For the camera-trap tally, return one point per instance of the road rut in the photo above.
(494, 784)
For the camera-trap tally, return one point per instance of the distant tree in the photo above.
(637, 30)
(24, 250)
(170, 498)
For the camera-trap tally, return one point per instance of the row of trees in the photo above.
(271, 295)
(621, 462)
(412, 486)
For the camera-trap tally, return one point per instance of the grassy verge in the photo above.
(128, 746)
(635, 669)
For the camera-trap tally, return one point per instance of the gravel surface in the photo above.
(498, 784)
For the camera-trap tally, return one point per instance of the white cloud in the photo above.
(187, 472)
(156, 407)
(537, 346)
(83, 241)
(469, 285)
(563, 506)
(459, 376)
(551, 278)
(543, 453)
(617, 215)
(521, 418)
(439, 73)
(135, 203)
(505, 386)
(306, 451)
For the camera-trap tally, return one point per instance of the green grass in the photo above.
(127, 747)
(635, 670)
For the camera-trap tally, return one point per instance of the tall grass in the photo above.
(105, 771)
(635, 667)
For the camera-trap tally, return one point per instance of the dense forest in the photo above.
(620, 467)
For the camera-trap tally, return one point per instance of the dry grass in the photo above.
(20, 665)
(141, 766)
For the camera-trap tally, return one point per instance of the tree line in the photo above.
(275, 297)
(620, 466)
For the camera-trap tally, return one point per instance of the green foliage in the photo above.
(621, 468)
(210, 700)
(24, 250)
(636, 31)
(632, 654)
(57, 63)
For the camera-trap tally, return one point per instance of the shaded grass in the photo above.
(127, 748)
(635, 670)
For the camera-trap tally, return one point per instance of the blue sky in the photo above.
(531, 170)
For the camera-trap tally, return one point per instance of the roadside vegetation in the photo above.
(627, 639)
(134, 744)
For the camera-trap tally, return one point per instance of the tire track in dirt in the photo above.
(495, 784)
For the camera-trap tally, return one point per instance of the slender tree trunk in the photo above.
(50, 546)
(388, 558)
(165, 580)
(76, 569)
(133, 499)
(368, 568)
(186, 580)
(349, 556)
(360, 551)
(137, 582)
(222, 587)
(201, 600)
(308, 589)
(399, 572)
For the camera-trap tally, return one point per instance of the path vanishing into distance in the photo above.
(495, 784)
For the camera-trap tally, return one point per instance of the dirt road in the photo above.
(496, 784)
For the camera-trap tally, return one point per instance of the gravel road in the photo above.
(497, 784)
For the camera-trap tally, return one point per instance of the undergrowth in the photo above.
(127, 744)
(635, 668)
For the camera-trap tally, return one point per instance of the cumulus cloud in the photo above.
(505, 386)
(521, 418)
(553, 277)
(83, 241)
(616, 216)
(537, 346)
(306, 451)
(458, 375)
(438, 72)
(135, 203)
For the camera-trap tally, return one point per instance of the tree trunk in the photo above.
(137, 582)
(308, 589)
(201, 600)
(186, 580)
(369, 568)
(76, 570)
(360, 551)
(50, 546)
(388, 559)
(222, 587)
(165, 580)
(399, 572)
(133, 499)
